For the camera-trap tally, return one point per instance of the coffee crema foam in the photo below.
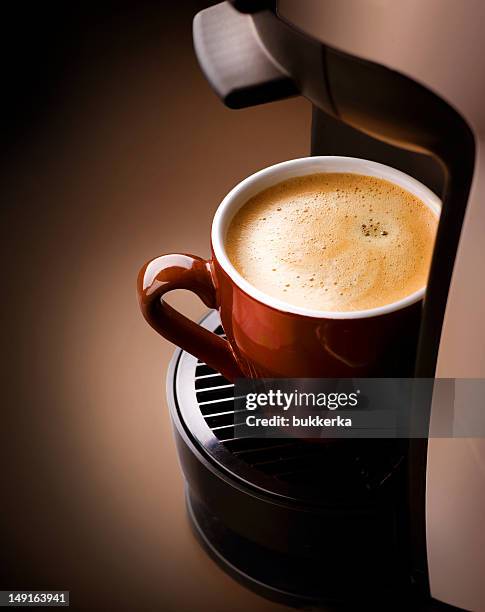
(334, 242)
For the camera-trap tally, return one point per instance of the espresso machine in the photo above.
(307, 524)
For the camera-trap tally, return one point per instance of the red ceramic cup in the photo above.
(267, 337)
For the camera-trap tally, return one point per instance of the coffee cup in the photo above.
(267, 336)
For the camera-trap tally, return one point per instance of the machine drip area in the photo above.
(299, 521)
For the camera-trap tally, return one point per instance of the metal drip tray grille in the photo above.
(343, 470)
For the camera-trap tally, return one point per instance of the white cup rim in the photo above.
(271, 175)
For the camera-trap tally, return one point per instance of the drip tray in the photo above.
(284, 516)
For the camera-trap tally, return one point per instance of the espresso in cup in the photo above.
(318, 269)
(334, 242)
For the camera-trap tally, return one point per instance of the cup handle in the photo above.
(181, 271)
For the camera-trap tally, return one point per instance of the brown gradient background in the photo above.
(115, 150)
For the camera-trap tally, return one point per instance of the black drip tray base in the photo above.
(294, 581)
(308, 525)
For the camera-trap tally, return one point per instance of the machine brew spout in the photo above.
(235, 62)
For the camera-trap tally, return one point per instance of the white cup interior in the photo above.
(267, 177)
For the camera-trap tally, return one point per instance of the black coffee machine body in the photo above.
(303, 522)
